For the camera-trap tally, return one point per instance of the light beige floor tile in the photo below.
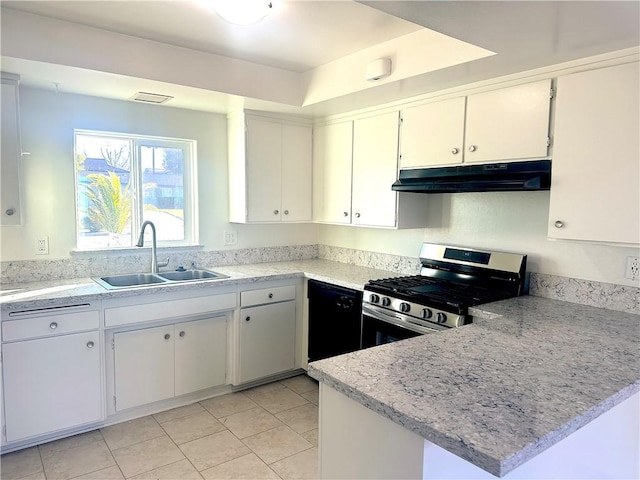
(76, 461)
(186, 429)
(277, 400)
(249, 467)
(269, 387)
(146, 456)
(250, 422)
(276, 444)
(312, 395)
(71, 442)
(182, 470)
(301, 419)
(300, 384)
(131, 432)
(21, 463)
(301, 466)
(178, 412)
(33, 476)
(311, 436)
(229, 404)
(111, 473)
(213, 450)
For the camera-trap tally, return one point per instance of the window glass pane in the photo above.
(163, 190)
(104, 185)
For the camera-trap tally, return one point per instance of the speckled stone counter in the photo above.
(529, 372)
(58, 292)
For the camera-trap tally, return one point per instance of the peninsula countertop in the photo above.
(526, 374)
(53, 292)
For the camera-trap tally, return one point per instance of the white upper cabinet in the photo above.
(11, 154)
(499, 125)
(433, 134)
(375, 168)
(332, 152)
(595, 189)
(270, 170)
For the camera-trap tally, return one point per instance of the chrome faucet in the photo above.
(154, 256)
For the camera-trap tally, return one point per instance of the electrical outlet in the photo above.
(633, 268)
(230, 237)
(42, 245)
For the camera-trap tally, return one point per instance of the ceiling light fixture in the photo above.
(242, 12)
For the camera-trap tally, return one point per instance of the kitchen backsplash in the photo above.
(83, 265)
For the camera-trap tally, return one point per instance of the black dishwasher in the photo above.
(334, 320)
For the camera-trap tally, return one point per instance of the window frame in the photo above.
(190, 185)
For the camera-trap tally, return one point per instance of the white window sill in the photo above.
(133, 250)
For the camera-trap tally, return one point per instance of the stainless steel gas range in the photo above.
(451, 280)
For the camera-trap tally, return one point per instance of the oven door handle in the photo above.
(406, 324)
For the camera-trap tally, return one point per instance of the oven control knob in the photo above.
(405, 307)
(441, 317)
(426, 313)
(386, 301)
(373, 298)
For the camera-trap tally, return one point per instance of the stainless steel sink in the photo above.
(130, 280)
(145, 279)
(185, 275)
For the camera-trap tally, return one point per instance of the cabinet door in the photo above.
(264, 183)
(333, 148)
(51, 384)
(267, 340)
(11, 158)
(433, 134)
(144, 366)
(508, 124)
(200, 354)
(375, 168)
(296, 173)
(595, 189)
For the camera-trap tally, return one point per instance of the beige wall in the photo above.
(48, 120)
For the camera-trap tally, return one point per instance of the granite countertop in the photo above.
(57, 292)
(526, 374)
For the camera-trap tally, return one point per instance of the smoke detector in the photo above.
(146, 97)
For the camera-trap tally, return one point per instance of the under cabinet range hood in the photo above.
(491, 177)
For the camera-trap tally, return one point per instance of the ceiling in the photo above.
(303, 38)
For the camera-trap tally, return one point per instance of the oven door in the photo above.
(381, 326)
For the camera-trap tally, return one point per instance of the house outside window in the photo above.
(124, 180)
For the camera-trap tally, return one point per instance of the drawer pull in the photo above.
(53, 325)
(182, 334)
(90, 344)
(271, 295)
(247, 319)
(167, 336)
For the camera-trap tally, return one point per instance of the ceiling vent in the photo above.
(150, 98)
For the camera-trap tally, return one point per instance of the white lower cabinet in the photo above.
(51, 384)
(158, 363)
(267, 332)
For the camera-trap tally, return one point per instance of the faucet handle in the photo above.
(163, 264)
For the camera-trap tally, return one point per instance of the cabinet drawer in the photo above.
(49, 325)
(267, 295)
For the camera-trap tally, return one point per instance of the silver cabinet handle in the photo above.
(559, 223)
(286, 212)
(90, 344)
(182, 333)
(455, 151)
(276, 212)
(247, 319)
(167, 336)
(10, 211)
(473, 148)
(53, 325)
(357, 215)
(346, 214)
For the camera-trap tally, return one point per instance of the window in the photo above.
(124, 180)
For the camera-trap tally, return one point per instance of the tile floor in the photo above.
(268, 432)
